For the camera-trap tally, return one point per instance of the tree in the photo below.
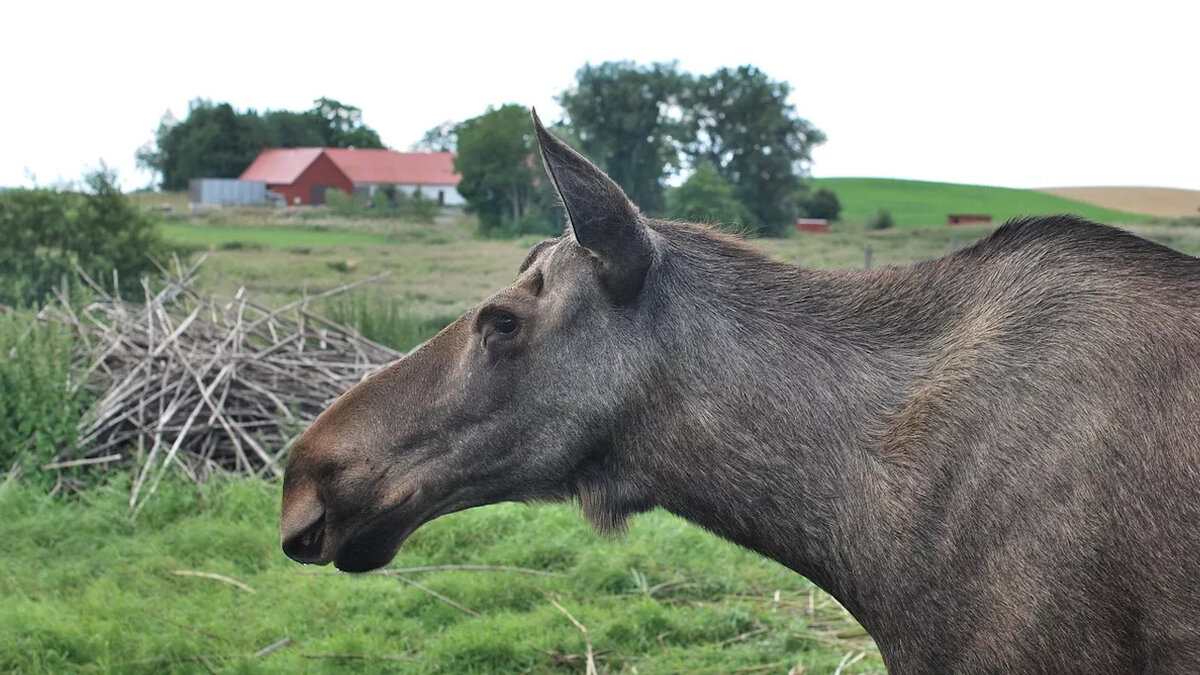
(627, 119)
(823, 204)
(706, 197)
(216, 141)
(149, 155)
(441, 138)
(287, 129)
(747, 129)
(342, 126)
(500, 178)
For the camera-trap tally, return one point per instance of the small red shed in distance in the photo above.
(967, 218)
(814, 225)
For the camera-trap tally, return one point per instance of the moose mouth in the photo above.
(376, 542)
(372, 547)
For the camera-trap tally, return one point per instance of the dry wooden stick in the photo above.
(848, 660)
(429, 591)
(274, 646)
(587, 640)
(468, 568)
(81, 462)
(308, 299)
(214, 576)
(744, 636)
(204, 385)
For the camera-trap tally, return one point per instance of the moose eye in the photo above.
(505, 324)
(495, 324)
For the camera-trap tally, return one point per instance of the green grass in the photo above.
(214, 236)
(385, 320)
(921, 203)
(39, 408)
(176, 201)
(87, 589)
(433, 271)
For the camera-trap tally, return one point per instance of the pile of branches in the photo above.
(204, 385)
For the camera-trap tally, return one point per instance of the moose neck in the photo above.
(763, 424)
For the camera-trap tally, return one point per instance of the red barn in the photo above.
(304, 175)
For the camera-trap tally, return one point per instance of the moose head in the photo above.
(517, 400)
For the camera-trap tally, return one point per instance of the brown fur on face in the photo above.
(992, 459)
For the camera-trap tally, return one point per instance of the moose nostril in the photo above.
(306, 545)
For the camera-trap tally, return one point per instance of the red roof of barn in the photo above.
(280, 166)
(387, 166)
(284, 166)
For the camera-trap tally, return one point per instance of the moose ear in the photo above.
(602, 218)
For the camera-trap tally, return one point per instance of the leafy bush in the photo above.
(341, 203)
(387, 202)
(823, 204)
(240, 245)
(38, 409)
(48, 231)
(343, 266)
(881, 221)
(420, 207)
(708, 198)
(539, 224)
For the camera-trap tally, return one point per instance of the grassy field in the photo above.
(218, 236)
(920, 203)
(88, 590)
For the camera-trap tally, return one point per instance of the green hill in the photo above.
(917, 203)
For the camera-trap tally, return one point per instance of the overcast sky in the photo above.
(1014, 93)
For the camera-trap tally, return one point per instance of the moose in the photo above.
(991, 459)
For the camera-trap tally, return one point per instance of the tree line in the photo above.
(734, 133)
(216, 141)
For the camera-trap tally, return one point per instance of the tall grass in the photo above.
(386, 320)
(87, 589)
(38, 408)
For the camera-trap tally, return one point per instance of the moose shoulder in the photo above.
(991, 459)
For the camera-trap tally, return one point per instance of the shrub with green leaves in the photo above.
(46, 232)
(823, 203)
(706, 197)
(419, 207)
(881, 221)
(387, 202)
(38, 409)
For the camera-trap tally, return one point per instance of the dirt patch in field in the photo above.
(1165, 202)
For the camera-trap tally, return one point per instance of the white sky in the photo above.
(1014, 93)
